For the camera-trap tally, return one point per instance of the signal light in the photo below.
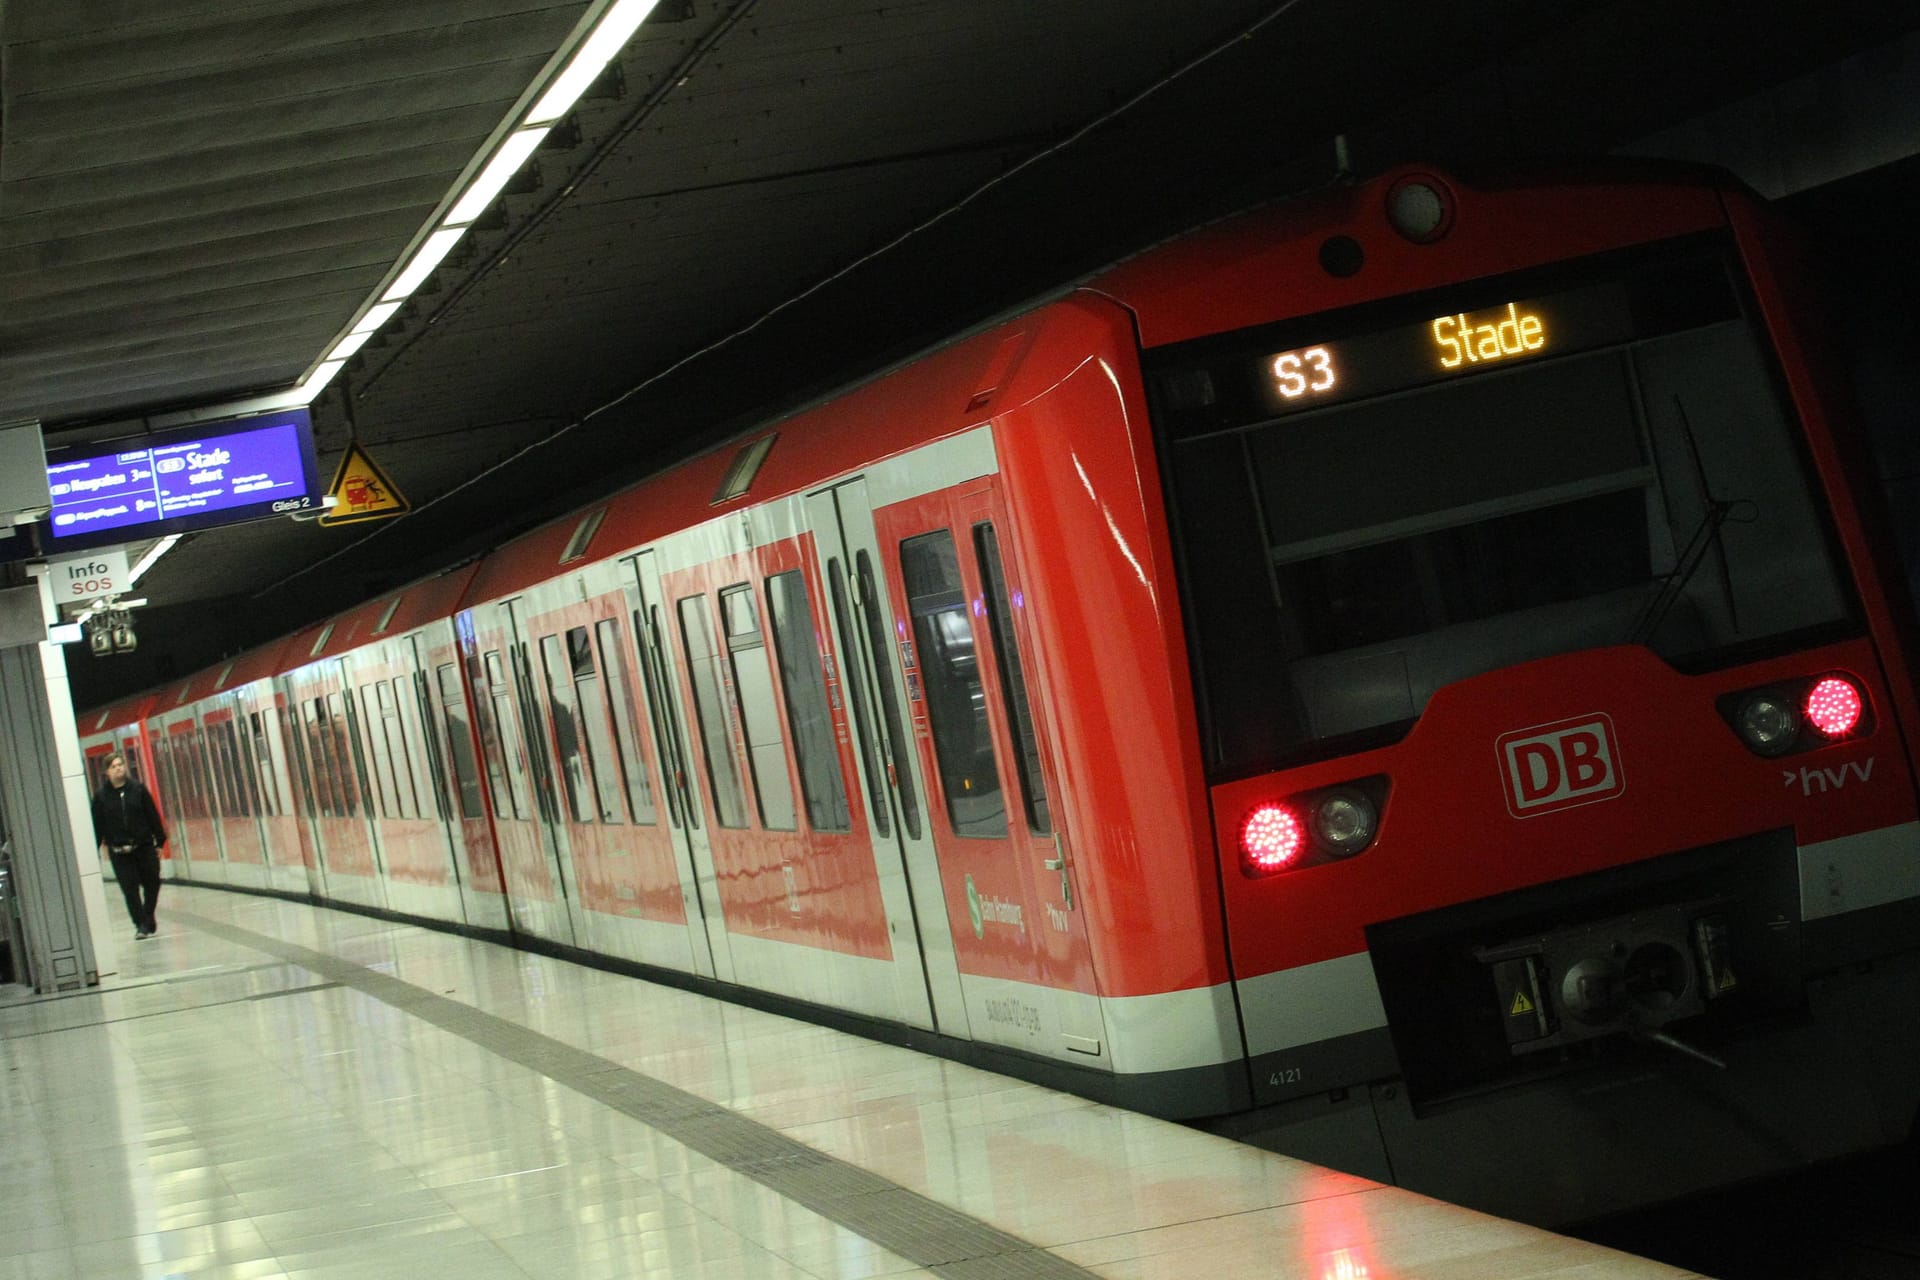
(1420, 208)
(1833, 706)
(1272, 839)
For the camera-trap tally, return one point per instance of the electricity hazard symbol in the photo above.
(1520, 1005)
(362, 491)
(1727, 981)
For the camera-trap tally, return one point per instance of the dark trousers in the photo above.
(139, 875)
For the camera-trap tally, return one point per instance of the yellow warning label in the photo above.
(1727, 981)
(362, 491)
(1520, 1005)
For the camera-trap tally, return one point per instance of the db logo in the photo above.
(1560, 765)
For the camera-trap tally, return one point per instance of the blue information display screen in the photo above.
(223, 474)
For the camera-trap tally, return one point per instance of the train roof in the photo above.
(941, 393)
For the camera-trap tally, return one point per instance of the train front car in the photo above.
(1550, 702)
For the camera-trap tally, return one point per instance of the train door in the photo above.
(1006, 862)
(863, 626)
(238, 787)
(699, 883)
(196, 822)
(428, 764)
(171, 792)
(308, 784)
(526, 816)
(450, 728)
(295, 857)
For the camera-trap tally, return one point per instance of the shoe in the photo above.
(142, 935)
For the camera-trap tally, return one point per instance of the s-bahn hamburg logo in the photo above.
(1560, 765)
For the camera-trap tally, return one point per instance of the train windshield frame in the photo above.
(1374, 503)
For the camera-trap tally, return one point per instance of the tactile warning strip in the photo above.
(952, 1244)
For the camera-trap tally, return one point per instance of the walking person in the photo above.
(127, 824)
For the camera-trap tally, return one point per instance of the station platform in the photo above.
(269, 1089)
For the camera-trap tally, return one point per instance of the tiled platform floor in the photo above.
(274, 1090)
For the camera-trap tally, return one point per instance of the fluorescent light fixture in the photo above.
(437, 247)
(377, 316)
(505, 163)
(317, 380)
(615, 28)
(65, 633)
(134, 603)
(158, 549)
(344, 349)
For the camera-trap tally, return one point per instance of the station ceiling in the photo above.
(765, 199)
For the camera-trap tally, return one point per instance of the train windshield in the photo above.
(1375, 504)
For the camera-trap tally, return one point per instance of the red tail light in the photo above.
(1272, 838)
(1833, 707)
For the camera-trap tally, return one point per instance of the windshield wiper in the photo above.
(1704, 538)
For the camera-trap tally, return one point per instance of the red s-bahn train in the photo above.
(1407, 676)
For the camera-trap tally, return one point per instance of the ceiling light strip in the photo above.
(499, 171)
(610, 33)
(616, 27)
(158, 549)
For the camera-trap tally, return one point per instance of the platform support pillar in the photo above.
(44, 802)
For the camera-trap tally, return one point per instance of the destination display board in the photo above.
(226, 473)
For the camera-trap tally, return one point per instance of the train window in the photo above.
(565, 712)
(880, 645)
(386, 615)
(299, 772)
(744, 467)
(856, 686)
(226, 783)
(327, 747)
(320, 788)
(796, 643)
(536, 763)
(1013, 678)
(326, 634)
(466, 769)
(666, 725)
(203, 781)
(350, 764)
(424, 768)
(703, 667)
(508, 771)
(247, 780)
(405, 793)
(240, 745)
(595, 721)
(582, 535)
(272, 802)
(759, 715)
(374, 746)
(619, 684)
(956, 697)
(195, 771)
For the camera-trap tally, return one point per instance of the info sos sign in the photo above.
(90, 575)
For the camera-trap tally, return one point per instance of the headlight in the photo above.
(1344, 822)
(1769, 724)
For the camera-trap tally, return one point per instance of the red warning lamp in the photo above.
(1272, 839)
(1833, 707)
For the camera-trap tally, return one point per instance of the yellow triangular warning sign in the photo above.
(362, 491)
(1520, 1005)
(1727, 981)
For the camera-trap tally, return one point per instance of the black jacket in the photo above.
(125, 816)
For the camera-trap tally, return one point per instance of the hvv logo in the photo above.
(1557, 766)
